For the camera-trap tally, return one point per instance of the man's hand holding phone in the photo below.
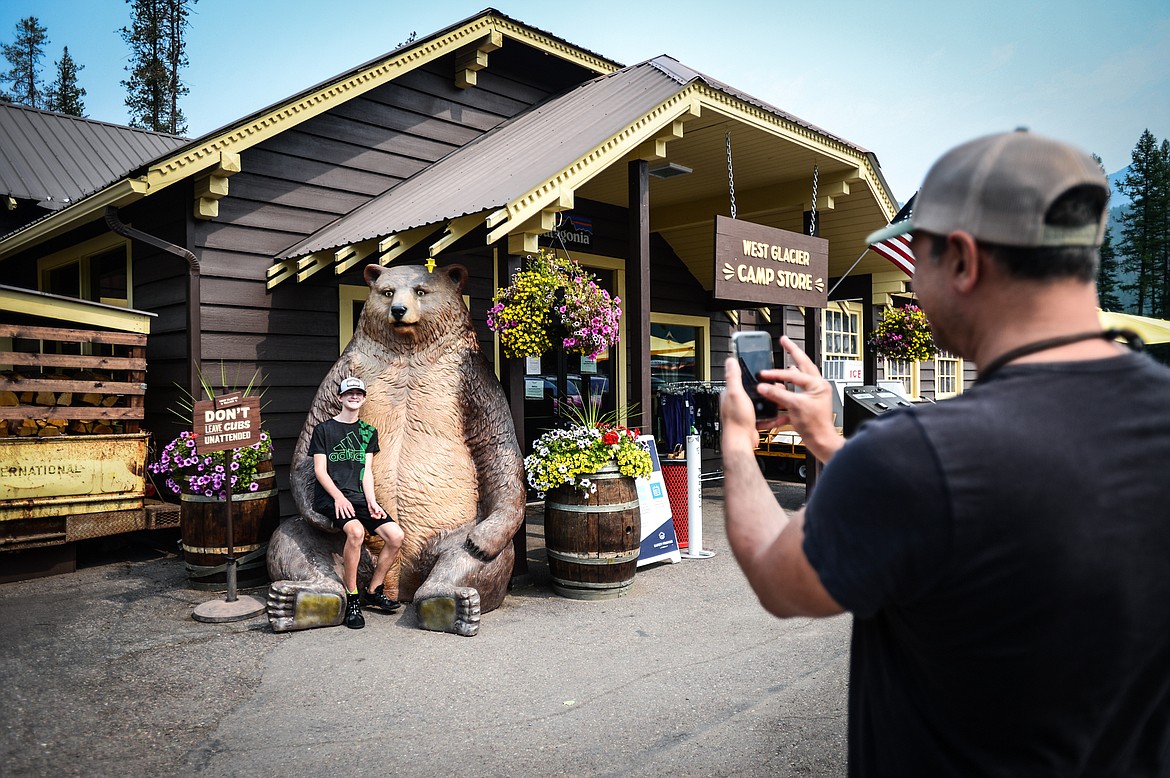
(753, 351)
(807, 405)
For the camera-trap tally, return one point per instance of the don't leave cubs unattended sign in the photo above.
(761, 264)
(230, 421)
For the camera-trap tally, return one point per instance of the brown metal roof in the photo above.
(57, 159)
(521, 154)
(505, 163)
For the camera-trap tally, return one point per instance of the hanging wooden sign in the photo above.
(760, 264)
(230, 421)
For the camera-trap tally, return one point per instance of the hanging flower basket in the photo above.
(554, 303)
(903, 335)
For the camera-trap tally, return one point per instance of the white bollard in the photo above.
(695, 501)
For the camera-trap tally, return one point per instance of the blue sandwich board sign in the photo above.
(659, 541)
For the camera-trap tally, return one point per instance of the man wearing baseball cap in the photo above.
(1005, 553)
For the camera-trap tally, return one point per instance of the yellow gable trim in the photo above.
(291, 114)
(522, 215)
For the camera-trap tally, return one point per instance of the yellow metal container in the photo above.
(70, 475)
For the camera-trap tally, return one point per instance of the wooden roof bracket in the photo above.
(455, 229)
(474, 58)
(281, 271)
(211, 187)
(393, 246)
(307, 266)
(654, 149)
(834, 187)
(525, 239)
(345, 258)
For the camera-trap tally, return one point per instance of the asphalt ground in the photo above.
(106, 673)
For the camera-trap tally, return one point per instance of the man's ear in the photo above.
(964, 262)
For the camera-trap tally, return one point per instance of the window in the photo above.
(842, 339)
(947, 372)
(674, 353)
(97, 270)
(351, 300)
(904, 372)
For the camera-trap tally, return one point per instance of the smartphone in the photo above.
(754, 352)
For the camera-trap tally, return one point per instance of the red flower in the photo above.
(610, 438)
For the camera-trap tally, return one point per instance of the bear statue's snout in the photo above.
(398, 311)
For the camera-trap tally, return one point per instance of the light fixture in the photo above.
(668, 170)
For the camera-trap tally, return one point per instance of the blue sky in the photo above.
(906, 80)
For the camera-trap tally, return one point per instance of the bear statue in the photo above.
(449, 471)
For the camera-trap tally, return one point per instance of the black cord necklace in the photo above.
(1130, 337)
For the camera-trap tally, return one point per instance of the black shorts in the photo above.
(361, 512)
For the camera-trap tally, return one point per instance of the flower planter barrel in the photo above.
(203, 525)
(592, 539)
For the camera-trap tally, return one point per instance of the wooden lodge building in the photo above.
(476, 144)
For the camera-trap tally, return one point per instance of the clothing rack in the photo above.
(681, 386)
(686, 405)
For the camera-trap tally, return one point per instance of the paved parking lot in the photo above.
(107, 674)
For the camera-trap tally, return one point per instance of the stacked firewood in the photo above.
(13, 397)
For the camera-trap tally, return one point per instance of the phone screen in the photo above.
(754, 351)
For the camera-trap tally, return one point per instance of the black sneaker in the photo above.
(353, 612)
(378, 599)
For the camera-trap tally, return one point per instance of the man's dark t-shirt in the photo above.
(1006, 556)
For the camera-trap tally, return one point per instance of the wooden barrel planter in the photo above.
(203, 525)
(592, 539)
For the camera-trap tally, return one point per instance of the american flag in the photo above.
(897, 249)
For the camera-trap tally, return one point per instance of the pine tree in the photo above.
(1107, 283)
(1108, 287)
(24, 55)
(64, 95)
(157, 55)
(1143, 224)
(1162, 226)
(176, 58)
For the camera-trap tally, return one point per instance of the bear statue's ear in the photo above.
(372, 273)
(458, 275)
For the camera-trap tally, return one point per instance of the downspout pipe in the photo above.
(194, 323)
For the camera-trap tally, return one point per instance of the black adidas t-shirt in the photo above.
(345, 446)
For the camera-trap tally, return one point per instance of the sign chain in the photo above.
(812, 222)
(730, 175)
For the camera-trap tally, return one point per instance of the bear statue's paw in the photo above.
(296, 605)
(457, 612)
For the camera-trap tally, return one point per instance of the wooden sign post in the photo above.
(223, 423)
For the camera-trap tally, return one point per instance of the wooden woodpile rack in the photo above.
(54, 391)
(72, 449)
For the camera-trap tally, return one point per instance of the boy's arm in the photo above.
(368, 488)
(342, 507)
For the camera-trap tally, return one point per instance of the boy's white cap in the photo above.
(351, 383)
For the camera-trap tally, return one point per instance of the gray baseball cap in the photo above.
(351, 383)
(999, 187)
